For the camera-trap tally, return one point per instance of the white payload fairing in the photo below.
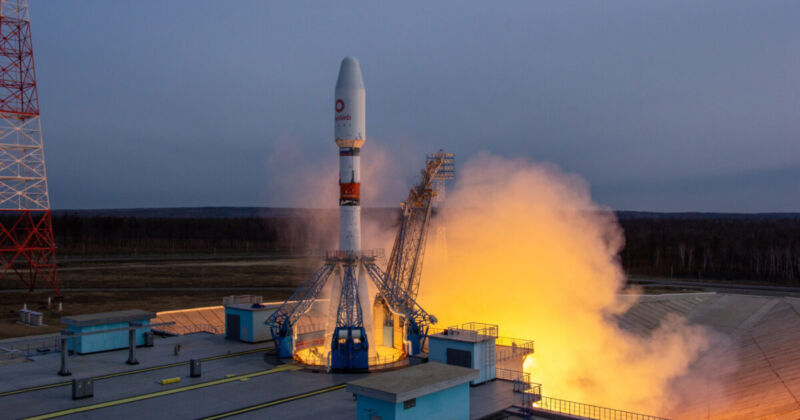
(350, 133)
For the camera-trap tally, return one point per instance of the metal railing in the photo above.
(335, 254)
(312, 342)
(238, 299)
(489, 330)
(512, 375)
(471, 330)
(530, 392)
(509, 348)
(314, 357)
(572, 408)
(310, 328)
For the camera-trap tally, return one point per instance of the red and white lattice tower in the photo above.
(27, 248)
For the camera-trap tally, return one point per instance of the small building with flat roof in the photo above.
(425, 391)
(245, 321)
(472, 346)
(112, 340)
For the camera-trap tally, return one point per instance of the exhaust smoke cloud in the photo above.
(528, 249)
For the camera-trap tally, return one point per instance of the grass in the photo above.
(197, 277)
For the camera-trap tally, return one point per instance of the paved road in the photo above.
(747, 289)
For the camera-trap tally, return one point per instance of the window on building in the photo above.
(459, 357)
(409, 403)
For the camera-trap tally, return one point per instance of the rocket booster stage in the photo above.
(350, 133)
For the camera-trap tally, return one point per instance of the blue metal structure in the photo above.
(398, 285)
(282, 320)
(405, 262)
(349, 346)
(401, 303)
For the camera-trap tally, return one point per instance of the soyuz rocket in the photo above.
(350, 134)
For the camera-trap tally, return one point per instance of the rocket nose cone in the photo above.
(350, 74)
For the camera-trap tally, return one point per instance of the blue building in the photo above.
(106, 321)
(472, 346)
(245, 321)
(425, 391)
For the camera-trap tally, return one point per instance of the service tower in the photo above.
(349, 132)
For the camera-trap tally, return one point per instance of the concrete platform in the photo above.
(235, 377)
(755, 356)
(42, 370)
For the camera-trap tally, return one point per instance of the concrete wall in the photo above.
(104, 341)
(437, 352)
(451, 403)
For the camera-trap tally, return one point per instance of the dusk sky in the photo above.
(662, 106)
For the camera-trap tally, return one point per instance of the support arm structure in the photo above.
(283, 319)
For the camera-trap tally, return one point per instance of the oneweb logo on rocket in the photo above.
(340, 108)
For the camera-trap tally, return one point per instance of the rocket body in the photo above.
(349, 134)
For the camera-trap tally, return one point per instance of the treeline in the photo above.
(757, 248)
(77, 235)
(760, 248)
(304, 231)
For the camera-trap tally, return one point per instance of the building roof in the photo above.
(269, 306)
(416, 381)
(131, 315)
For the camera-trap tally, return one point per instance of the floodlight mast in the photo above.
(27, 245)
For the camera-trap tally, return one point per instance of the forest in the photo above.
(760, 248)
(757, 248)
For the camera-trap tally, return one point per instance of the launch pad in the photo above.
(349, 343)
(320, 356)
(348, 267)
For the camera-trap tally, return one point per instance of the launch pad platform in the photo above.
(237, 381)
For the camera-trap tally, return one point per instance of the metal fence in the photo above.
(572, 408)
(29, 347)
